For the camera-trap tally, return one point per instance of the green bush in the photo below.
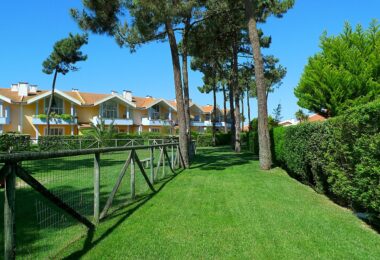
(205, 140)
(339, 157)
(65, 142)
(253, 142)
(14, 142)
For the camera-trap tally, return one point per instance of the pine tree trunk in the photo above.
(249, 110)
(214, 115)
(232, 113)
(265, 156)
(185, 76)
(51, 102)
(183, 134)
(225, 108)
(235, 79)
(242, 112)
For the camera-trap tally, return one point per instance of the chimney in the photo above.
(113, 92)
(14, 87)
(74, 90)
(33, 89)
(127, 94)
(147, 96)
(23, 89)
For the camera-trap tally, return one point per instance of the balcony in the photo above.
(54, 121)
(116, 121)
(5, 118)
(217, 124)
(156, 122)
(197, 123)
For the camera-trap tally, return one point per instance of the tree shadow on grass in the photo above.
(90, 243)
(220, 158)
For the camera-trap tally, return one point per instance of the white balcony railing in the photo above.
(156, 122)
(116, 121)
(54, 121)
(217, 124)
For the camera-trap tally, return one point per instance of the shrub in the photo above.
(14, 142)
(65, 142)
(339, 157)
(205, 140)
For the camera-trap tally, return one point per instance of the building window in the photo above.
(207, 117)
(57, 106)
(197, 118)
(155, 112)
(155, 130)
(54, 131)
(109, 110)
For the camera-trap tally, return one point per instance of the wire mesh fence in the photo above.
(58, 196)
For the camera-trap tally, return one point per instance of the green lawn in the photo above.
(226, 207)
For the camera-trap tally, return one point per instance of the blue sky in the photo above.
(30, 28)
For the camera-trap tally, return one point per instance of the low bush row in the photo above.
(14, 142)
(339, 157)
(205, 140)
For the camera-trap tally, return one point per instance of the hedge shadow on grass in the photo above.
(218, 159)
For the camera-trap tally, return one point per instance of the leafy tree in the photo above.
(345, 73)
(147, 21)
(277, 113)
(273, 73)
(210, 86)
(257, 11)
(301, 116)
(66, 53)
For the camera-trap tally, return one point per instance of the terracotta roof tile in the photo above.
(13, 95)
(316, 118)
(90, 98)
(142, 102)
(208, 108)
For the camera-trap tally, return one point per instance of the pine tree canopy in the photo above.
(346, 72)
(66, 53)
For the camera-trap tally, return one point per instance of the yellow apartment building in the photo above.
(23, 109)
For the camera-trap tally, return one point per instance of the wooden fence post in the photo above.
(163, 164)
(133, 176)
(152, 165)
(96, 187)
(9, 213)
(172, 156)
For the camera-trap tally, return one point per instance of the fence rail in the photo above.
(90, 143)
(64, 184)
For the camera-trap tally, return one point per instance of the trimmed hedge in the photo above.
(69, 142)
(205, 140)
(65, 142)
(14, 142)
(339, 157)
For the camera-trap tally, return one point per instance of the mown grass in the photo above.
(225, 207)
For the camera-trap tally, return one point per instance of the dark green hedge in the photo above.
(339, 157)
(54, 143)
(205, 140)
(14, 142)
(66, 142)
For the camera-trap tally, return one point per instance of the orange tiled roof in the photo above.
(315, 118)
(89, 98)
(13, 95)
(208, 108)
(142, 102)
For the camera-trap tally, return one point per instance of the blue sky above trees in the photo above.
(30, 28)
